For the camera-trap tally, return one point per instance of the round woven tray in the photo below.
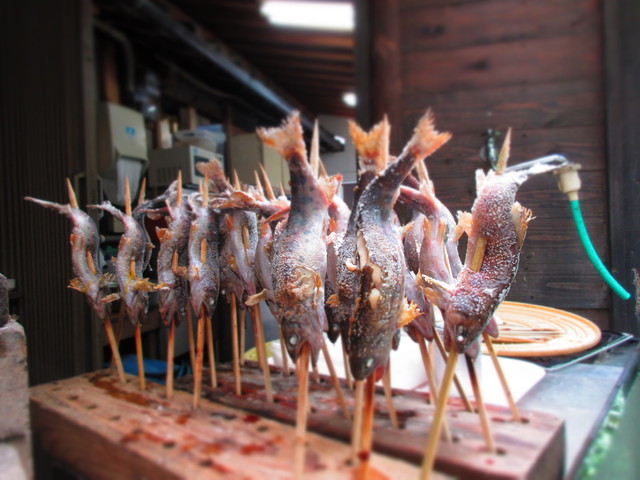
(528, 330)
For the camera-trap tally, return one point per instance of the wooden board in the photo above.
(534, 449)
(103, 429)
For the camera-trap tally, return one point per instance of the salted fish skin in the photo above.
(299, 259)
(204, 273)
(84, 239)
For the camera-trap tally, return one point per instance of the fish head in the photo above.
(95, 293)
(137, 305)
(296, 332)
(364, 362)
(461, 330)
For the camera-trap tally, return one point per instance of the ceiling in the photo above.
(308, 70)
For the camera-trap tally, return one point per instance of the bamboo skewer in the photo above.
(262, 351)
(347, 368)
(356, 431)
(108, 328)
(141, 380)
(197, 376)
(283, 352)
(210, 352)
(234, 345)
(192, 350)
(388, 394)
(503, 380)
(482, 411)
(316, 375)
(335, 381)
(170, 350)
(301, 415)
(366, 440)
(433, 384)
(243, 334)
(431, 446)
(456, 381)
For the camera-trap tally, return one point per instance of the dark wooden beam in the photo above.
(622, 66)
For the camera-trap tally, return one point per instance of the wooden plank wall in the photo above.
(42, 142)
(533, 65)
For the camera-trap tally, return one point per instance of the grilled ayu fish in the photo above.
(237, 255)
(173, 258)
(134, 290)
(372, 150)
(299, 258)
(204, 269)
(380, 308)
(497, 230)
(84, 254)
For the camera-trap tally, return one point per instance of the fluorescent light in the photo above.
(313, 15)
(350, 99)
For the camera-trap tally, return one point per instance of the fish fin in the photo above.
(142, 285)
(212, 169)
(332, 300)
(492, 327)
(437, 292)
(228, 222)
(333, 226)
(521, 217)
(181, 271)
(465, 221)
(162, 286)
(111, 298)
(372, 146)
(105, 279)
(77, 284)
(410, 312)
(163, 233)
(426, 139)
(503, 156)
(329, 186)
(287, 139)
(279, 215)
(257, 298)
(407, 228)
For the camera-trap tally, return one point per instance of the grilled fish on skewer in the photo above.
(299, 259)
(173, 258)
(84, 254)
(134, 290)
(380, 260)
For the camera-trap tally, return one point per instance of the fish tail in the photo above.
(372, 146)
(426, 139)
(287, 139)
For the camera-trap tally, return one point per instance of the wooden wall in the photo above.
(536, 66)
(42, 142)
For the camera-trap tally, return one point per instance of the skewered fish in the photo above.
(299, 258)
(380, 308)
(84, 254)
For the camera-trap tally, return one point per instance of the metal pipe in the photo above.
(152, 12)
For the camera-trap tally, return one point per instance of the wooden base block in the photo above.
(532, 449)
(104, 429)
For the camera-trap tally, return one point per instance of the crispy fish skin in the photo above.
(134, 290)
(380, 257)
(498, 228)
(299, 258)
(172, 297)
(84, 245)
(237, 256)
(204, 268)
(373, 153)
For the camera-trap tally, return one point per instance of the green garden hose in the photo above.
(569, 183)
